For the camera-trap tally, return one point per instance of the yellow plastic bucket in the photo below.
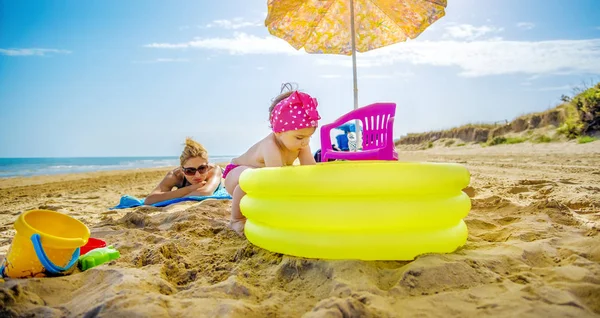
(47, 242)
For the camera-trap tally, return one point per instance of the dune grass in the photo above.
(541, 139)
(500, 140)
(575, 118)
(586, 139)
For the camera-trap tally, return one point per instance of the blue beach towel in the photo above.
(128, 201)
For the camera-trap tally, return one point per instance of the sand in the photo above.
(533, 250)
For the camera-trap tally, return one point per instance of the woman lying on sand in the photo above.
(195, 176)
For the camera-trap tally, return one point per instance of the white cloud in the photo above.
(370, 76)
(330, 76)
(241, 43)
(556, 88)
(32, 52)
(376, 76)
(484, 58)
(233, 24)
(404, 74)
(525, 25)
(473, 58)
(469, 32)
(168, 60)
(164, 60)
(347, 62)
(260, 68)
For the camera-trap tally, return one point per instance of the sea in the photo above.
(24, 167)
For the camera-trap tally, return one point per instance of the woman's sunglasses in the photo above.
(192, 171)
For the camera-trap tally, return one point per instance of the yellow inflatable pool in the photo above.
(369, 210)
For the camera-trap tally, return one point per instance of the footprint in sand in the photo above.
(546, 189)
(542, 186)
(532, 236)
(493, 201)
(517, 190)
(567, 181)
(535, 182)
(353, 306)
(477, 224)
(557, 212)
(51, 207)
(496, 236)
(592, 189)
(582, 204)
(507, 220)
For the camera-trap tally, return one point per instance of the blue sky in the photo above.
(134, 78)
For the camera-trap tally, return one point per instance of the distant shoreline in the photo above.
(27, 167)
(18, 181)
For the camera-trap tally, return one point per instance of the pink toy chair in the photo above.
(377, 134)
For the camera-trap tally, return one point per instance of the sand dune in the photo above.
(533, 250)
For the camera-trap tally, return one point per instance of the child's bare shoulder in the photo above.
(267, 143)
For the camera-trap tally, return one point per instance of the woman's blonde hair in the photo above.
(192, 149)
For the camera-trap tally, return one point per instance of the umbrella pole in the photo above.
(353, 35)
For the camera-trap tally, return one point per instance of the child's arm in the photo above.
(306, 157)
(272, 155)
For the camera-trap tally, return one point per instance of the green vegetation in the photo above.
(583, 113)
(571, 127)
(541, 139)
(515, 140)
(586, 139)
(576, 118)
(499, 140)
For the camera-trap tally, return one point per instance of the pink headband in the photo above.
(297, 111)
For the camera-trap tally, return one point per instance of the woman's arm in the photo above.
(306, 157)
(212, 182)
(163, 191)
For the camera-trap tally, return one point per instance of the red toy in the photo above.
(92, 244)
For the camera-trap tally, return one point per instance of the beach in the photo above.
(533, 249)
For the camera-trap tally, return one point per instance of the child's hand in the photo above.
(306, 157)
